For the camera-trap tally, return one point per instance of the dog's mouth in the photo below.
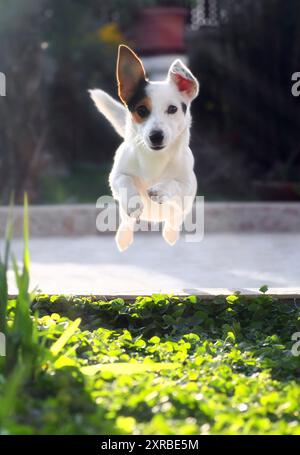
(157, 147)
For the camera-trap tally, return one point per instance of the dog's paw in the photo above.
(136, 211)
(158, 194)
(133, 208)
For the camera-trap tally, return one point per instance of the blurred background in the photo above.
(245, 138)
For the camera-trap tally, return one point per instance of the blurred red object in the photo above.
(277, 191)
(160, 30)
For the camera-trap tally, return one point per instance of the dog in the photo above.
(152, 176)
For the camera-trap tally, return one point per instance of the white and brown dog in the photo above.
(152, 176)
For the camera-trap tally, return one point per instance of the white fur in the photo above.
(162, 182)
(114, 111)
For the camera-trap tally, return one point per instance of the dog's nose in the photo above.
(156, 137)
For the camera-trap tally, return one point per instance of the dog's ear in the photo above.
(185, 81)
(130, 73)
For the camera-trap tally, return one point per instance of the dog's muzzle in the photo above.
(156, 138)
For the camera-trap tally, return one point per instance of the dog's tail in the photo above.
(114, 111)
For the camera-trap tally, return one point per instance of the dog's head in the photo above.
(159, 110)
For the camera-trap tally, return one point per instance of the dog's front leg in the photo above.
(131, 207)
(125, 191)
(177, 199)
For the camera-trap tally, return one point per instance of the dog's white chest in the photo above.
(151, 168)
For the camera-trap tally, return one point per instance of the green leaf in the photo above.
(232, 299)
(140, 343)
(230, 337)
(264, 289)
(154, 340)
(64, 361)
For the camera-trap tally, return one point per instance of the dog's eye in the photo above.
(172, 109)
(143, 111)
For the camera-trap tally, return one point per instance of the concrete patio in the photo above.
(221, 263)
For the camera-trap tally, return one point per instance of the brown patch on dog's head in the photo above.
(131, 75)
(141, 110)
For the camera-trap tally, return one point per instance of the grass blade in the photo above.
(10, 397)
(3, 297)
(128, 368)
(26, 257)
(9, 232)
(64, 338)
(3, 270)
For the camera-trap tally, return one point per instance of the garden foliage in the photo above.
(155, 365)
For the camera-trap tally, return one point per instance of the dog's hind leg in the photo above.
(124, 236)
(173, 220)
(125, 232)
